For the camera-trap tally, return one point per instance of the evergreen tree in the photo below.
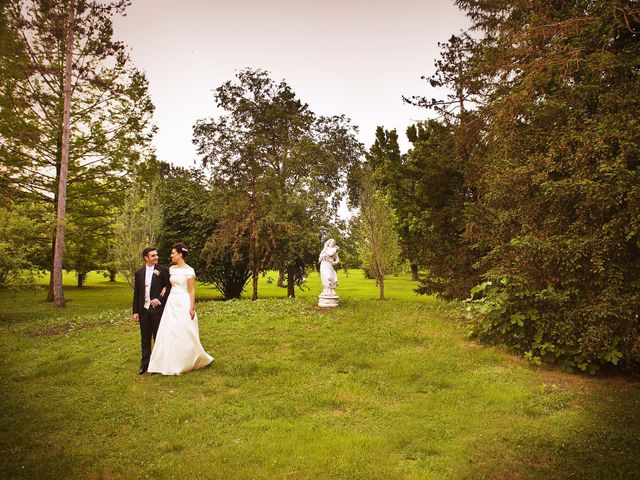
(436, 199)
(557, 187)
(110, 110)
(390, 175)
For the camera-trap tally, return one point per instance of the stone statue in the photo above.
(328, 258)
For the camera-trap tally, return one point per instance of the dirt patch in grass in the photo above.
(574, 382)
(67, 329)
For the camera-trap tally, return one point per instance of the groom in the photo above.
(150, 290)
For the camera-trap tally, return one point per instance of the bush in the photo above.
(551, 326)
(227, 276)
(16, 245)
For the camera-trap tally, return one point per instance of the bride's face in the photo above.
(175, 256)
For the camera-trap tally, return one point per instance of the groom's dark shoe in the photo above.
(142, 371)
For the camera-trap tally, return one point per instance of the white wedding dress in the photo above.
(177, 348)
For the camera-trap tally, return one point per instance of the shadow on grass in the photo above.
(598, 440)
(28, 445)
(605, 443)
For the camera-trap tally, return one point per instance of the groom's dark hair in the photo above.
(146, 251)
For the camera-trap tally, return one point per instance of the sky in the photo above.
(351, 57)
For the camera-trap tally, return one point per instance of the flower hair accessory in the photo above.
(184, 250)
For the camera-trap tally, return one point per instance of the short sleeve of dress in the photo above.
(191, 273)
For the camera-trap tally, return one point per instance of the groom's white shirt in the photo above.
(148, 276)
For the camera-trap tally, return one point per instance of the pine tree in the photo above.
(109, 106)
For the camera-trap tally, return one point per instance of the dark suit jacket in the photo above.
(158, 282)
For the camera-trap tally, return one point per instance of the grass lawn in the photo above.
(371, 390)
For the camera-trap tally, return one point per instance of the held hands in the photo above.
(136, 317)
(155, 302)
(192, 313)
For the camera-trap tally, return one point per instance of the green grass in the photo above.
(387, 390)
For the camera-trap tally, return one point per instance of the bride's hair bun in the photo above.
(181, 248)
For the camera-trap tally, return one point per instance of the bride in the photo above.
(178, 349)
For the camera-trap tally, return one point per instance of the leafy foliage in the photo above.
(436, 189)
(378, 247)
(391, 176)
(138, 226)
(427, 189)
(558, 185)
(17, 232)
(190, 211)
(279, 170)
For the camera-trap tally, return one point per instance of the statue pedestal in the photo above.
(328, 301)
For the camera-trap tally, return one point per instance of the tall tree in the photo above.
(377, 238)
(391, 176)
(436, 199)
(110, 110)
(280, 168)
(56, 271)
(559, 179)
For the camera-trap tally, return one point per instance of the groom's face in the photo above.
(151, 258)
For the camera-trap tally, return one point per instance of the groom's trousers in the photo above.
(149, 323)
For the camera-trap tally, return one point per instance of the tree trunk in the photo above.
(414, 272)
(291, 282)
(281, 275)
(112, 275)
(53, 249)
(55, 206)
(460, 88)
(254, 263)
(254, 295)
(381, 285)
(81, 277)
(58, 293)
